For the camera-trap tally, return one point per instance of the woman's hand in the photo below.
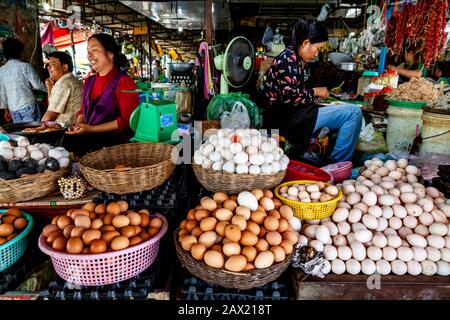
(391, 67)
(80, 128)
(321, 92)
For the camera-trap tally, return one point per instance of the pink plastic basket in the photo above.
(340, 171)
(105, 268)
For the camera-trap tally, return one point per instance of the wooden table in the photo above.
(362, 287)
(51, 205)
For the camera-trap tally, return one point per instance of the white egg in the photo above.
(383, 267)
(361, 189)
(215, 156)
(5, 145)
(338, 266)
(387, 212)
(198, 157)
(416, 240)
(226, 154)
(241, 158)
(276, 167)
(206, 149)
(63, 162)
(399, 267)
(340, 215)
(445, 254)
(433, 254)
(310, 231)
(253, 169)
(363, 235)
(439, 216)
(256, 141)
(350, 237)
(411, 170)
(405, 254)
(408, 197)
(266, 169)
(257, 159)
(368, 267)
(353, 198)
(379, 240)
(241, 169)
(399, 211)
(23, 142)
(382, 224)
(344, 253)
(354, 215)
(394, 241)
(245, 141)
(344, 228)
(235, 148)
(339, 240)
(370, 198)
(266, 147)
(358, 250)
(376, 211)
(390, 232)
(38, 155)
(429, 268)
(410, 222)
(353, 266)
(403, 232)
(414, 268)
(316, 244)
(330, 252)
(302, 240)
(323, 234)
(402, 163)
(443, 268)
(229, 167)
(343, 204)
(20, 152)
(426, 219)
(349, 189)
(395, 223)
(374, 253)
(358, 226)
(368, 183)
(268, 158)
(405, 188)
(411, 178)
(436, 241)
(326, 268)
(6, 153)
(439, 229)
(389, 254)
(370, 221)
(387, 185)
(386, 200)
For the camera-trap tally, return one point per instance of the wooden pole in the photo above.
(149, 39)
(208, 21)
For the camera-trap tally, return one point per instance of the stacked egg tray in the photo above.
(136, 288)
(196, 289)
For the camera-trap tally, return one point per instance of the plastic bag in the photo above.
(236, 119)
(225, 102)
(371, 141)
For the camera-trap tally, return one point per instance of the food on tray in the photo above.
(98, 228)
(241, 151)
(311, 192)
(11, 224)
(386, 223)
(239, 233)
(45, 127)
(416, 90)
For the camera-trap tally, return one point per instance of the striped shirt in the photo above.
(65, 98)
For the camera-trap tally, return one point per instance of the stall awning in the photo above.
(60, 37)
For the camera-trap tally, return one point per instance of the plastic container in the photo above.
(437, 126)
(309, 210)
(402, 127)
(13, 250)
(392, 78)
(301, 171)
(339, 171)
(105, 268)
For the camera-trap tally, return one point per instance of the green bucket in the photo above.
(407, 104)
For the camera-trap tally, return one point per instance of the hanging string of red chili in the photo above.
(421, 25)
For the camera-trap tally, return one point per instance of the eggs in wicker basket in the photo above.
(239, 233)
(99, 228)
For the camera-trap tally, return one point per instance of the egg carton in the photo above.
(196, 289)
(136, 288)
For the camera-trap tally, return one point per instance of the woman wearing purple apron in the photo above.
(105, 112)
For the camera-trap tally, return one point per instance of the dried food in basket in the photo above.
(12, 223)
(251, 231)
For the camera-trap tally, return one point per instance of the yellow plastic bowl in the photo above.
(309, 210)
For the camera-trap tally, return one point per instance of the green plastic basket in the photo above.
(12, 250)
(407, 104)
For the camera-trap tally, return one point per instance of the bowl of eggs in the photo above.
(239, 242)
(15, 225)
(310, 200)
(102, 244)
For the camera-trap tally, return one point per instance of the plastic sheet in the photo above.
(428, 164)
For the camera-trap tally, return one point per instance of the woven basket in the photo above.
(227, 279)
(30, 187)
(150, 165)
(232, 183)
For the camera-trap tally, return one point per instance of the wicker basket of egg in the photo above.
(238, 242)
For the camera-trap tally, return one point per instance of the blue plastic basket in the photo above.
(12, 250)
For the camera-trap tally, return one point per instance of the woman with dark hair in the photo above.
(106, 108)
(291, 107)
(411, 68)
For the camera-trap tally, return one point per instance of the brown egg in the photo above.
(49, 228)
(253, 227)
(187, 242)
(291, 236)
(249, 253)
(283, 225)
(264, 260)
(198, 251)
(138, 229)
(191, 224)
(274, 213)
(258, 193)
(9, 219)
(91, 235)
(135, 218)
(63, 221)
(6, 229)
(79, 212)
(258, 216)
(208, 238)
(268, 194)
(278, 253)
(220, 228)
(11, 236)
(248, 238)
(267, 204)
(208, 223)
(107, 219)
(152, 231)
(236, 263)
(273, 238)
(53, 235)
(230, 204)
(233, 197)
(14, 212)
(201, 214)
(85, 250)
(197, 232)
(98, 246)
(214, 259)
(119, 243)
(59, 244)
(262, 245)
(92, 216)
(144, 211)
(231, 249)
(113, 208)
(107, 228)
(249, 266)
(55, 220)
(225, 241)
(145, 220)
(239, 221)
(77, 232)
(277, 203)
(89, 206)
(96, 224)
(156, 223)
(261, 208)
(262, 233)
(286, 212)
(144, 235)
(82, 221)
(120, 221)
(243, 211)
(2, 240)
(68, 230)
(109, 235)
(69, 212)
(287, 246)
(100, 208)
(271, 223)
(123, 206)
(128, 231)
(74, 245)
(224, 214)
(20, 223)
(135, 240)
(233, 232)
(182, 233)
(220, 197)
(191, 214)
(208, 203)
(217, 247)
